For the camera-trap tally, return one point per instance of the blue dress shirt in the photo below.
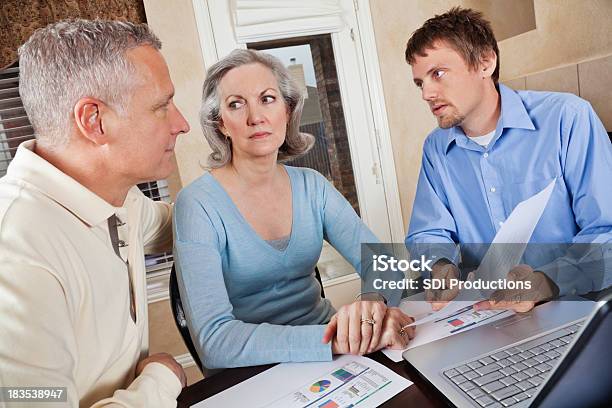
(466, 191)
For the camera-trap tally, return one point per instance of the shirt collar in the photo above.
(513, 115)
(66, 191)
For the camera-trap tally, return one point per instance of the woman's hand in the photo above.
(356, 328)
(393, 336)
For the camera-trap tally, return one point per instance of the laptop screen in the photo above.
(583, 378)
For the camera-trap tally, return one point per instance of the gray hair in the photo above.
(72, 59)
(296, 143)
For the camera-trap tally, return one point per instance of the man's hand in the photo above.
(393, 336)
(356, 328)
(524, 300)
(167, 360)
(442, 270)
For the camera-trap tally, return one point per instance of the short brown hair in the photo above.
(465, 30)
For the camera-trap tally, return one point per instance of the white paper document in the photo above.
(516, 231)
(347, 381)
(499, 259)
(464, 319)
(464, 299)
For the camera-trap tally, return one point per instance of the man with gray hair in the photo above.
(74, 227)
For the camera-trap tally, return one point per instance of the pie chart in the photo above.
(320, 386)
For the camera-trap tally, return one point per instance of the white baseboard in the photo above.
(185, 360)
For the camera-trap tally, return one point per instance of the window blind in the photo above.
(158, 191)
(260, 20)
(15, 127)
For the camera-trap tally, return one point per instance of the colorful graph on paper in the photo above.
(320, 386)
(470, 318)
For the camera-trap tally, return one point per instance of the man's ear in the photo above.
(488, 63)
(88, 114)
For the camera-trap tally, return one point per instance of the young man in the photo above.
(496, 147)
(74, 227)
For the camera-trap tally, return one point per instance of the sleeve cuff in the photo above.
(168, 382)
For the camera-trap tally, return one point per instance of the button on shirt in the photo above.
(466, 191)
(64, 292)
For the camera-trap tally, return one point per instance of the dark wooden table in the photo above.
(421, 394)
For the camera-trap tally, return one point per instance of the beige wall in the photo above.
(174, 23)
(567, 32)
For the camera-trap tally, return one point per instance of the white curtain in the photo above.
(260, 20)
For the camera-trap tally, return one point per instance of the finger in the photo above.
(430, 295)
(448, 272)
(379, 313)
(500, 295)
(330, 330)
(513, 275)
(342, 332)
(354, 327)
(376, 332)
(438, 305)
(367, 330)
(369, 310)
(398, 342)
(411, 332)
(521, 307)
(520, 272)
(449, 294)
(402, 338)
(484, 305)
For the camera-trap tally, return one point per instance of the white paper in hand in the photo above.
(499, 259)
(510, 242)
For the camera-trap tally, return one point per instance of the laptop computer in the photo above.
(540, 358)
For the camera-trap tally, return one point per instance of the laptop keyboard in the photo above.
(512, 374)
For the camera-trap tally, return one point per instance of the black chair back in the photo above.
(318, 276)
(179, 317)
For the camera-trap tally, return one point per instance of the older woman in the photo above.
(248, 233)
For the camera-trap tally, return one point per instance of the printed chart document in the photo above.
(348, 381)
(499, 259)
(464, 319)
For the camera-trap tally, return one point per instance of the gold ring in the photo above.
(369, 321)
(402, 332)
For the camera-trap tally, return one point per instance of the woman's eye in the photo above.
(268, 99)
(438, 73)
(235, 104)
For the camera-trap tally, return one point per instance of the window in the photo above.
(15, 128)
